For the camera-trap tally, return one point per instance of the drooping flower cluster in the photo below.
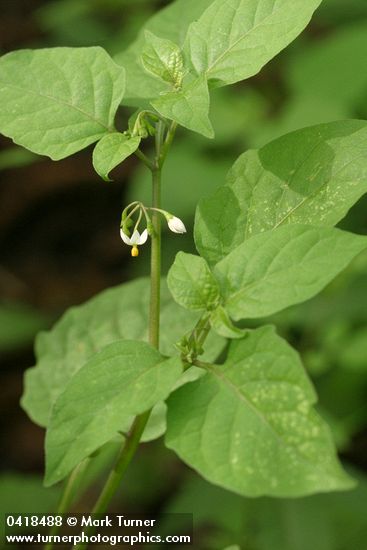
(134, 238)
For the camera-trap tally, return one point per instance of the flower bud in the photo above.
(176, 225)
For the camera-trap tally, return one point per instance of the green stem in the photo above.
(155, 263)
(167, 143)
(132, 441)
(201, 329)
(202, 364)
(114, 479)
(67, 497)
(191, 345)
(148, 163)
(155, 259)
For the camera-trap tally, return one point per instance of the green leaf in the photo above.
(111, 150)
(311, 176)
(170, 23)
(218, 228)
(125, 379)
(156, 425)
(234, 39)
(249, 425)
(60, 100)
(115, 314)
(189, 107)
(222, 324)
(286, 266)
(192, 283)
(163, 59)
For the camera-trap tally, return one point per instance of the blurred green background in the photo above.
(60, 245)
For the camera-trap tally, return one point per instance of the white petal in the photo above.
(135, 237)
(124, 237)
(176, 225)
(143, 237)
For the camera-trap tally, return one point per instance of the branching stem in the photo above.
(142, 156)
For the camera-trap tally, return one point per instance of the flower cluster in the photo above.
(134, 238)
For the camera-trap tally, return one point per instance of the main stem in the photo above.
(133, 439)
(155, 259)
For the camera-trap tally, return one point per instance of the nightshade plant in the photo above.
(141, 360)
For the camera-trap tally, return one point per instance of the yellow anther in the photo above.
(134, 251)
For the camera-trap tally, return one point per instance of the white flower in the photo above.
(135, 240)
(176, 225)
